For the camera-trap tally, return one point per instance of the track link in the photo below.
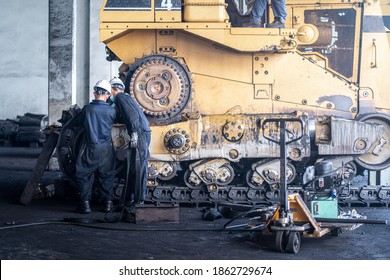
(368, 196)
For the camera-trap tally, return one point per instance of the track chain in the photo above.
(353, 195)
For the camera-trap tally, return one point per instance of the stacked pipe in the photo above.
(31, 128)
(8, 130)
(26, 129)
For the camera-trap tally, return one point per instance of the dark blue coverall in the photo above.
(98, 153)
(136, 121)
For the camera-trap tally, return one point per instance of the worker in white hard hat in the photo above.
(117, 84)
(138, 129)
(98, 154)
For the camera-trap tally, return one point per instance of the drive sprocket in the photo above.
(160, 85)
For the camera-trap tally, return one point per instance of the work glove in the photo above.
(111, 101)
(134, 140)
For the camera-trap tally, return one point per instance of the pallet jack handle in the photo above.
(284, 203)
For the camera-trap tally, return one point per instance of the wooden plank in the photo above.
(39, 168)
(161, 213)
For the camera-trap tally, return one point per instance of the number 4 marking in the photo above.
(167, 4)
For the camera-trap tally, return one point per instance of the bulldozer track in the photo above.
(364, 196)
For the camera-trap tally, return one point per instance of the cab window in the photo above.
(128, 5)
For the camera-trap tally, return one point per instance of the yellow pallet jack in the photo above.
(292, 218)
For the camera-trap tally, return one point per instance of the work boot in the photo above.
(83, 207)
(275, 24)
(108, 206)
(253, 24)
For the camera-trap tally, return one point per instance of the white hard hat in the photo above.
(102, 87)
(117, 83)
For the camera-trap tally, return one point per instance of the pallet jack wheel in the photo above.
(281, 240)
(336, 232)
(294, 242)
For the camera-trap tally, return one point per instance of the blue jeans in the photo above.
(278, 7)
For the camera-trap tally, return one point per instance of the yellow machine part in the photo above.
(259, 79)
(214, 38)
(321, 64)
(301, 214)
(376, 56)
(204, 11)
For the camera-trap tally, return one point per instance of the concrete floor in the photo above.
(48, 237)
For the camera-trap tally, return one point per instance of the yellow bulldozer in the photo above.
(210, 86)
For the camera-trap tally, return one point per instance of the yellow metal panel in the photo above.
(109, 30)
(377, 8)
(167, 42)
(300, 81)
(212, 97)
(254, 31)
(214, 70)
(168, 16)
(263, 69)
(205, 58)
(263, 91)
(375, 58)
(245, 40)
(164, 25)
(112, 34)
(299, 215)
(204, 10)
(133, 45)
(375, 65)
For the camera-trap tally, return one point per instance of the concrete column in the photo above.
(68, 55)
(81, 33)
(60, 57)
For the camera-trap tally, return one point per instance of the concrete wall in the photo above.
(24, 57)
(24, 60)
